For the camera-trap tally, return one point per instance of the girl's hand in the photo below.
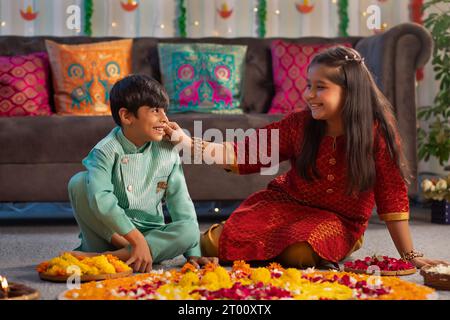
(422, 262)
(175, 134)
(198, 261)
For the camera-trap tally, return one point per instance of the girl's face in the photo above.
(324, 98)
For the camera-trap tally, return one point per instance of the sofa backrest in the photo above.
(258, 88)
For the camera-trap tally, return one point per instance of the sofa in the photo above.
(38, 155)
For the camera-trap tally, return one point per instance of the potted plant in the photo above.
(438, 190)
(434, 141)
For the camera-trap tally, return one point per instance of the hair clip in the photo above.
(355, 58)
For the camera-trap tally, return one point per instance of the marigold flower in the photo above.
(188, 267)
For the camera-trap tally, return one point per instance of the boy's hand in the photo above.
(175, 134)
(141, 257)
(198, 261)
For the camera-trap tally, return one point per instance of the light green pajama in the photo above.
(123, 188)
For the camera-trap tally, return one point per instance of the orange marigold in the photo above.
(274, 266)
(210, 267)
(241, 265)
(188, 267)
(42, 267)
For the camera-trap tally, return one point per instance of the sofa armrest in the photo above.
(393, 57)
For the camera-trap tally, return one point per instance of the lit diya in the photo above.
(16, 291)
(382, 265)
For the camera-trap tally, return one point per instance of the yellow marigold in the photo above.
(101, 263)
(209, 277)
(316, 291)
(118, 264)
(223, 277)
(189, 279)
(173, 292)
(261, 275)
(292, 273)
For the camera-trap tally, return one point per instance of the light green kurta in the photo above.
(125, 186)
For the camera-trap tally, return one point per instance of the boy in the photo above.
(117, 201)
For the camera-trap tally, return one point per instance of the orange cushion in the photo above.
(84, 74)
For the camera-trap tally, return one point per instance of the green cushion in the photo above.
(202, 77)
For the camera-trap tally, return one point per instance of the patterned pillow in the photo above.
(24, 85)
(202, 77)
(290, 65)
(84, 74)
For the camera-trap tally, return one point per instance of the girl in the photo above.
(345, 154)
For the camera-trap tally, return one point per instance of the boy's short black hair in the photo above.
(135, 91)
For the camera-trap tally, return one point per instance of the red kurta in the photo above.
(292, 209)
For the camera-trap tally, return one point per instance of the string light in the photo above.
(3, 23)
(216, 210)
(162, 26)
(277, 11)
(255, 9)
(334, 1)
(196, 23)
(229, 30)
(114, 24)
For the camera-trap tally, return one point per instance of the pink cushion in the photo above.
(290, 65)
(24, 85)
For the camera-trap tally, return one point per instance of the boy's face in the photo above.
(147, 126)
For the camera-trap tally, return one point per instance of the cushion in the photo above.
(24, 85)
(84, 74)
(290, 65)
(202, 77)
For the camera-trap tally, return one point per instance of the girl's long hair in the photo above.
(364, 106)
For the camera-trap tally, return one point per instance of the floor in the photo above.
(25, 244)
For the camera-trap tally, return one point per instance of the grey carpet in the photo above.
(22, 247)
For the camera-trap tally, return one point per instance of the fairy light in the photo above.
(114, 24)
(229, 30)
(3, 23)
(333, 1)
(162, 26)
(196, 23)
(255, 9)
(277, 12)
(216, 210)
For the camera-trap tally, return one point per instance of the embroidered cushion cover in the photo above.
(290, 65)
(24, 85)
(203, 77)
(84, 74)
